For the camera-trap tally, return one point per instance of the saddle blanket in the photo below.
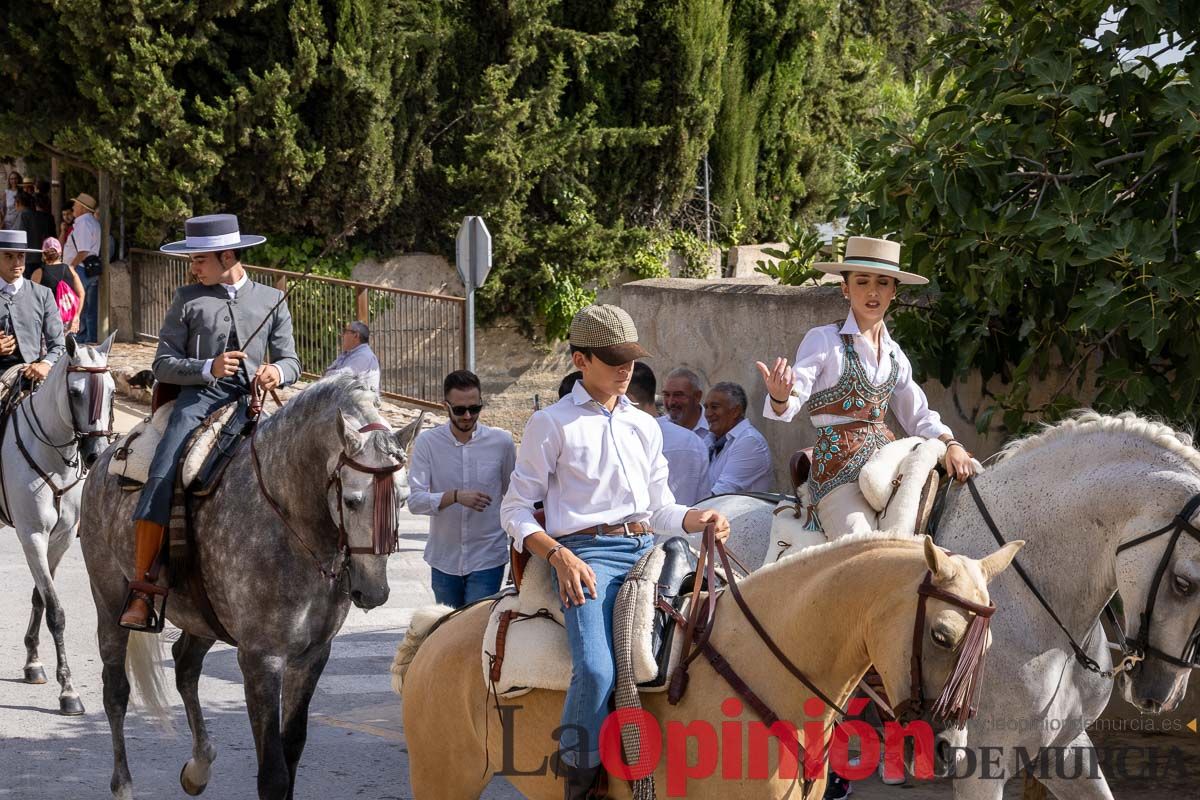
(135, 451)
(893, 483)
(525, 644)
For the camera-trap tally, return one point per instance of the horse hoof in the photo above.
(190, 788)
(35, 675)
(70, 706)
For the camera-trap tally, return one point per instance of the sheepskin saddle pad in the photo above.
(525, 644)
(899, 482)
(131, 460)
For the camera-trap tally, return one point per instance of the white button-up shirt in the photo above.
(818, 366)
(687, 462)
(231, 289)
(744, 463)
(590, 467)
(84, 238)
(461, 540)
(360, 361)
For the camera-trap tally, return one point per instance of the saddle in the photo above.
(525, 644)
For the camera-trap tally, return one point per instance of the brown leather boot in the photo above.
(148, 537)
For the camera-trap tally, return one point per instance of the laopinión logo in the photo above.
(733, 749)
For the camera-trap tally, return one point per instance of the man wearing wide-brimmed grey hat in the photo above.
(211, 345)
(30, 326)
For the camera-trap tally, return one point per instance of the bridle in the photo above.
(95, 389)
(385, 537)
(1139, 649)
(955, 704)
(1190, 657)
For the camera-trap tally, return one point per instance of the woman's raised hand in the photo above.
(779, 379)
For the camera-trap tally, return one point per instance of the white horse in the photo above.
(1075, 493)
(50, 439)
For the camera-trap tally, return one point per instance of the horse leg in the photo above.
(299, 683)
(69, 703)
(114, 642)
(189, 652)
(1081, 760)
(34, 673)
(263, 677)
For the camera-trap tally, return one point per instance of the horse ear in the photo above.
(405, 436)
(939, 563)
(352, 440)
(998, 561)
(104, 348)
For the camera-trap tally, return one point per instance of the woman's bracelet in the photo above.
(554, 550)
(779, 402)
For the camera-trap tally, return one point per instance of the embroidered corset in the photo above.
(842, 450)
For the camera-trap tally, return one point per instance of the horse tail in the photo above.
(424, 622)
(144, 669)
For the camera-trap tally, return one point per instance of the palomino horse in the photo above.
(300, 526)
(832, 612)
(1082, 494)
(50, 440)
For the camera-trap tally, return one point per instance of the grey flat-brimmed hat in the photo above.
(15, 242)
(212, 233)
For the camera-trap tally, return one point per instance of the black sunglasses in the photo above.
(461, 411)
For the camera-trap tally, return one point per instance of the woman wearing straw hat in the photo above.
(850, 376)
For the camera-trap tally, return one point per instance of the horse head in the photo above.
(89, 390)
(933, 665)
(368, 483)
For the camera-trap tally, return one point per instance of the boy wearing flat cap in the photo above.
(596, 462)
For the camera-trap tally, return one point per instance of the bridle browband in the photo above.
(385, 524)
(95, 384)
(1140, 649)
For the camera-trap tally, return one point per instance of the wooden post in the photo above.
(281, 284)
(56, 193)
(105, 210)
(363, 303)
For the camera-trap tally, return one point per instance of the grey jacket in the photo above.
(197, 326)
(34, 319)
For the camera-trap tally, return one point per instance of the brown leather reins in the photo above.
(954, 704)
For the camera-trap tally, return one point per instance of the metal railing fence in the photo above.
(418, 337)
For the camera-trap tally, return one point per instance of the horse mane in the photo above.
(341, 391)
(1084, 421)
(861, 541)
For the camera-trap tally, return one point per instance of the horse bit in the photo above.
(1139, 649)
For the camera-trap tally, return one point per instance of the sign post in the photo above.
(473, 257)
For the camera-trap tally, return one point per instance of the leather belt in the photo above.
(622, 529)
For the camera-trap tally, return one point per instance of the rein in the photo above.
(1141, 649)
(385, 527)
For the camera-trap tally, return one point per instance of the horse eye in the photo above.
(1183, 585)
(354, 503)
(941, 639)
(76, 393)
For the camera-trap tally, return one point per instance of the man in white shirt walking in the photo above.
(683, 395)
(83, 242)
(741, 458)
(356, 357)
(597, 463)
(456, 476)
(687, 457)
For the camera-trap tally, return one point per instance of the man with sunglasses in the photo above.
(356, 357)
(457, 475)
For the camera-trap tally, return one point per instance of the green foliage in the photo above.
(651, 259)
(793, 265)
(301, 253)
(1049, 190)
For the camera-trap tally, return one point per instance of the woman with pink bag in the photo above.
(63, 281)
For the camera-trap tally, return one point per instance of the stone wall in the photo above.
(720, 328)
(120, 301)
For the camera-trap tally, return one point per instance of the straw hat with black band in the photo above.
(872, 256)
(609, 333)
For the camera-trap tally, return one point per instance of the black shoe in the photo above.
(578, 781)
(837, 787)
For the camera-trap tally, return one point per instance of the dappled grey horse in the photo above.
(52, 437)
(300, 526)
(1105, 504)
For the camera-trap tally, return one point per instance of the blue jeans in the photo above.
(89, 323)
(457, 591)
(590, 635)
